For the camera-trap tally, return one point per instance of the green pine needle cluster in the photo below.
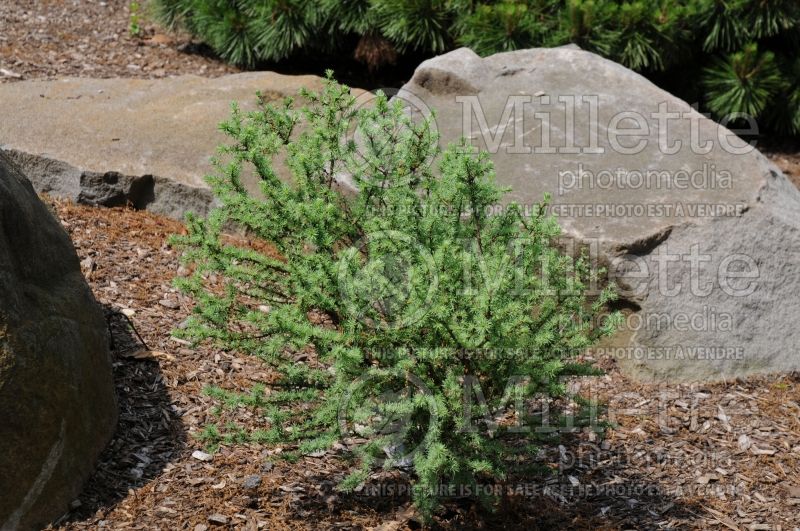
(733, 56)
(400, 317)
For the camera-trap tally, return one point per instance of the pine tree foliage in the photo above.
(430, 296)
(664, 39)
(758, 79)
(519, 27)
(746, 81)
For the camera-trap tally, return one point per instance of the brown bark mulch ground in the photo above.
(47, 39)
(723, 456)
(789, 163)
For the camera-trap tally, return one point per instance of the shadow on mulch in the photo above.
(149, 434)
(533, 501)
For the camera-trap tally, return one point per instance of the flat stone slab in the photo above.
(117, 141)
(700, 231)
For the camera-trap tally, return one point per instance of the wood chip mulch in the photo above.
(788, 161)
(47, 39)
(723, 456)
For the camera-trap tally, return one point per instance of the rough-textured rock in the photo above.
(739, 213)
(117, 141)
(56, 390)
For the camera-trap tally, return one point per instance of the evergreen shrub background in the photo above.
(731, 56)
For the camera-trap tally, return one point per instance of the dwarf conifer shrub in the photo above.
(401, 318)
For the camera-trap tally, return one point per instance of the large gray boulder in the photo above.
(701, 232)
(143, 142)
(56, 389)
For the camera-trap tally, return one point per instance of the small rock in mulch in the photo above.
(252, 482)
(218, 519)
(202, 456)
(167, 303)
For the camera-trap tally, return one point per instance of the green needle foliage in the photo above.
(502, 27)
(686, 44)
(401, 317)
(745, 81)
